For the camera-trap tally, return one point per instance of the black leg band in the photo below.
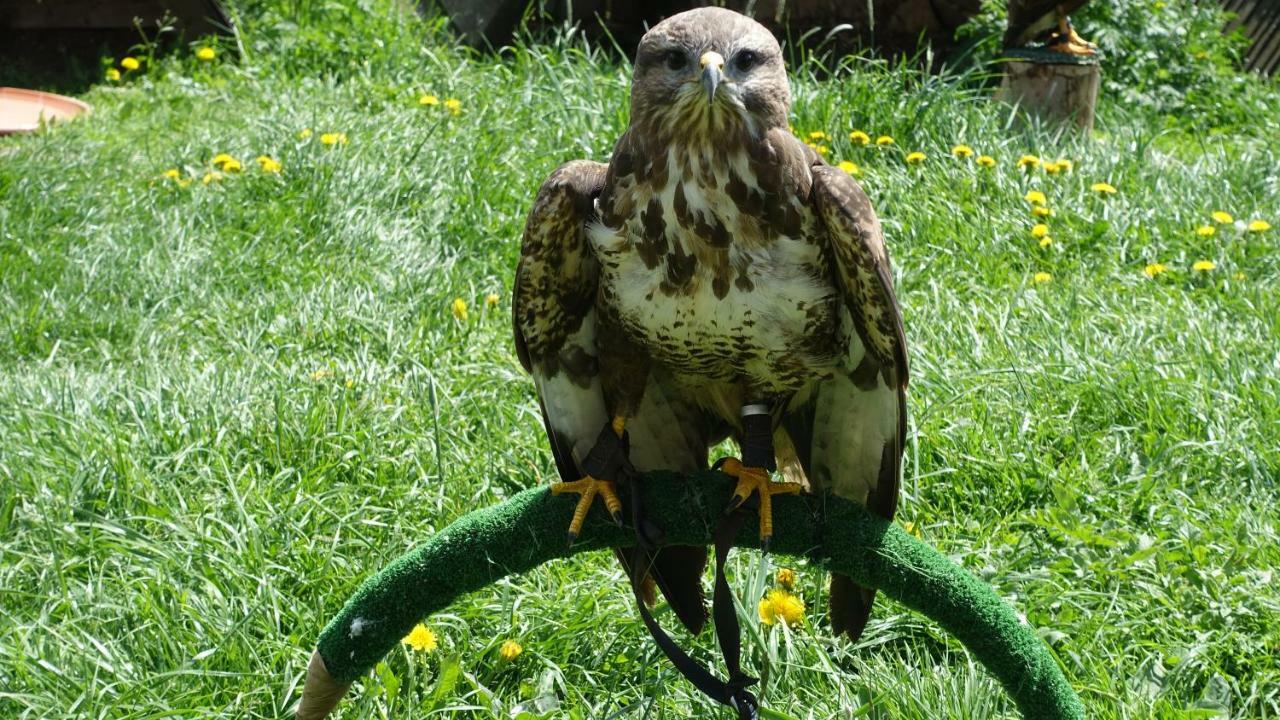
(757, 442)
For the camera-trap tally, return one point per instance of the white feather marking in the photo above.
(851, 427)
(575, 412)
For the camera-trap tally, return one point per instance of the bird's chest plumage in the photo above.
(716, 274)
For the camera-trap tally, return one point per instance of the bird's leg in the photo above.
(1067, 41)
(603, 465)
(753, 471)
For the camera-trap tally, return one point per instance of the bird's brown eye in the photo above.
(745, 60)
(675, 59)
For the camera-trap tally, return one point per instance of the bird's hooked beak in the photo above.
(712, 71)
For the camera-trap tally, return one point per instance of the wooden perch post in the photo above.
(1052, 86)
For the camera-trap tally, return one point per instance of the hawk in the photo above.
(715, 279)
(1031, 20)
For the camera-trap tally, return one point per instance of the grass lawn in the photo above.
(225, 404)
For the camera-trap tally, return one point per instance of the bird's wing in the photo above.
(554, 311)
(848, 432)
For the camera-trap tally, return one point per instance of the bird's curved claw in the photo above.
(587, 488)
(756, 480)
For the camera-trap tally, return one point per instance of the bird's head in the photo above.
(708, 73)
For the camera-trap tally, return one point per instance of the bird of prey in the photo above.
(1032, 20)
(715, 279)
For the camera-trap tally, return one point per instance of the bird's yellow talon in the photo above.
(756, 480)
(588, 487)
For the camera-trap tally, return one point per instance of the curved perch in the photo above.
(528, 530)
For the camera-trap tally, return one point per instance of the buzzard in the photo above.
(715, 279)
(1031, 20)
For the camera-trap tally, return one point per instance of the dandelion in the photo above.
(820, 149)
(221, 158)
(817, 135)
(1035, 197)
(786, 577)
(429, 100)
(1206, 231)
(491, 300)
(1041, 278)
(1052, 167)
(962, 151)
(1154, 269)
(510, 650)
(321, 374)
(232, 166)
(304, 133)
(453, 105)
(350, 383)
(1259, 226)
(986, 161)
(884, 140)
(1065, 165)
(779, 604)
(1203, 265)
(1222, 218)
(857, 137)
(211, 177)
(1103, 188)
(1028, 161)
(269, 164)
(130, 63)
(421, 638)
(206, 54)
(912, 529)
(173, 173)
(1041, 211)
(333, 139)
(915, 158)
(459, 308)
(113, 75)
(849, 167)
(1046, 242)
(1238, 276)
(1040, 230)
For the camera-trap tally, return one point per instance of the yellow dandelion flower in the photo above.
(1259, 226)
(113, 74)
(333, 139)
(1103, 188)
(459, 308)
(304, 133)
(915, 158)
(510, 650)
(778, 604)
(1052, 167)
(211, 177)
(350, 383)
(786, 577)
(1222, 218)
(491, 299)
(986, 161)
(232, 166)
(1041, 211)
(818, 135)
(172, 173)
(453, 105)
(820, 149)
(1238, 276)
(421, 638)
(269, 164)
(130, 63)
(1028, 161)
(1203, 265)
(884, 140)
(220, 159)
(1206, 230)
(1040, 230)
(857, 137)
(1041, 278)
(1046, 242)
(1035, 197)
(849, 167)
(321, 374)
(1065, 165)
(1154, 269)
(962, 151)
(206, 54)
(429, 100)
(912, 529)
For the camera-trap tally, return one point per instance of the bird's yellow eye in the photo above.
(675, 59)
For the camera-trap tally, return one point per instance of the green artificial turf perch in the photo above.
(528, 530)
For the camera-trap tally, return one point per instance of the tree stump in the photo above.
(1050, 86)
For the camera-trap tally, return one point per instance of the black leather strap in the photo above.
(733, 692)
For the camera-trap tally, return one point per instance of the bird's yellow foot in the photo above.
(588, 487)
(757, 480)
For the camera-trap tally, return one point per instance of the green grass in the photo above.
(226, 405)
